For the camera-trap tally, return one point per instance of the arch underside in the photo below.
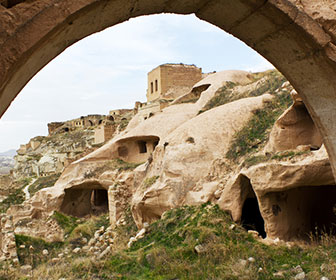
(32, 33)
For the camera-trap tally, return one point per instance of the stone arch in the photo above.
(34, 32)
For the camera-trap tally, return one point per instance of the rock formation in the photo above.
(179, 156)
(6, 162)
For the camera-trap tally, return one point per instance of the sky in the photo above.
(108, 70)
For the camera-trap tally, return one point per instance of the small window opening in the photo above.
(142, 147)
(152, 87)
(156, 85)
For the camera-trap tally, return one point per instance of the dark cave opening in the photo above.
(99, 201)
(304, 212)
(80, 202)
(251, 218)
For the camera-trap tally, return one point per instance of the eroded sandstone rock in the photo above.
(293, 198)
(182, 164)
(294, 128)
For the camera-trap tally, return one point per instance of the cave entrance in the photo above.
(80, 202)
(251, 218)
(304, 211)
(99, 201)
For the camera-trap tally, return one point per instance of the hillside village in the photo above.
(234, 146)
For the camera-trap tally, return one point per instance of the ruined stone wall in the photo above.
(104, 133)
(172, 80)
(53, 126)
(119, 112)
(82, 122)
(7, 240)
(179, 79)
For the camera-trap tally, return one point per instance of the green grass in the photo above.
(16, 195)
(43, 182)
(256, 132)
(115, 164)
(222, 96)
(75, 229)
(168, 252)
(33, 247)
(273, 79)
(253, 160)
(67, 223)
(123, 124)
(150, 181)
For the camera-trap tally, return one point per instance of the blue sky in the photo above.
(108, 70)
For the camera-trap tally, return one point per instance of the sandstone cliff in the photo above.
(238, 141)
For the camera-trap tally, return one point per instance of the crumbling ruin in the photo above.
(169, 81)
(82, 122)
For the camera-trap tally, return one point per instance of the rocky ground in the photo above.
(191, 242)
(53, 153)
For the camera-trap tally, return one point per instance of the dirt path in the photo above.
(25, 190)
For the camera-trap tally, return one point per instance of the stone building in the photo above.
(82, 122)
(104, 132)
(169, 81)
(119, 112)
